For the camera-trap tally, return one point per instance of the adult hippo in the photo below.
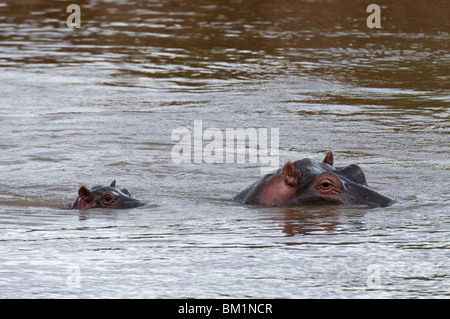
(106, 197)
(309, 182)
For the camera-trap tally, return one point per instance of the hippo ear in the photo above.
(84, 193)
(113, 183)
(328, 158)
(290, 175)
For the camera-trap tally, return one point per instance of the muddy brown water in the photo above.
(89, 105)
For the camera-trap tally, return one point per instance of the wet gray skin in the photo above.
(306, 182)
(105, 197)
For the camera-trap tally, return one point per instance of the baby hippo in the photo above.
(106, 197)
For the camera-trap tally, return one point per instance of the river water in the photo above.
(88, 105)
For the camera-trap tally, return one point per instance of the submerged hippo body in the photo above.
(309, 182)
(106, 197)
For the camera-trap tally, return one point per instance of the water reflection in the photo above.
(200, 40)
(305, 221)
(327, 220)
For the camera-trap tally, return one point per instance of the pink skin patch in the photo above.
(275, 192)
(82, 204)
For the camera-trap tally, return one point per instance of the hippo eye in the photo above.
(325, 185)
(328, 183)
(107, 199)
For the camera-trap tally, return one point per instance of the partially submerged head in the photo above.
(105, 197)
(309, 182)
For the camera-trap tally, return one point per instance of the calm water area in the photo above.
(85, 106)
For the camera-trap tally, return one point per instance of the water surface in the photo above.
(86, 106)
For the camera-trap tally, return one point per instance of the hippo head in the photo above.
(106, 197)
(309, 182)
